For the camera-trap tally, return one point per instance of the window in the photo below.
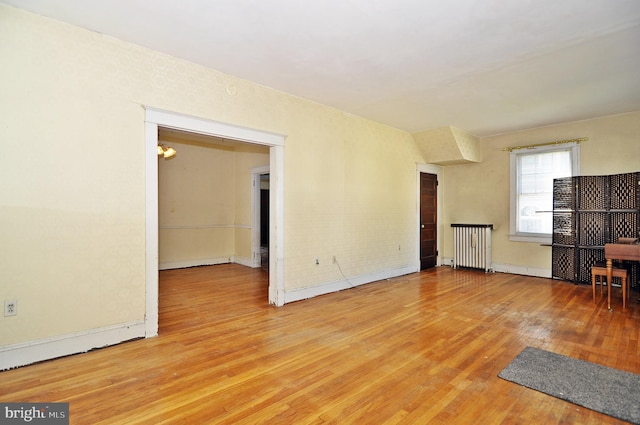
(532, 174)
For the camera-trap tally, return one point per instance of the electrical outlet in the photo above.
(317, 262)
(10, 308)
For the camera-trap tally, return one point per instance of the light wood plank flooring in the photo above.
(418, 349)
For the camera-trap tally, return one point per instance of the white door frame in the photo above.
(437, 170)
(155, 118)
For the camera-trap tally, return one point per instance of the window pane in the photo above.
(536, 172)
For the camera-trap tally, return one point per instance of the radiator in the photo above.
(472, 246)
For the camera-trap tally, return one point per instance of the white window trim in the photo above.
(541, 238)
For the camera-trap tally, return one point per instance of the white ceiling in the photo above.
(486, 66)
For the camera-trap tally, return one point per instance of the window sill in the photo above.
(539, 239)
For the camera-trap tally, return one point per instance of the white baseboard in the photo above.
(314, 291)
(244, 261)
(510, 268)
(49, 348)
(193, 263)
(206, 262)
(523, 270)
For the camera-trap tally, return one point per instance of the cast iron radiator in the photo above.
(472, 246)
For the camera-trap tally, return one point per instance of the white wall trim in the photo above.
(276, 226)
(152, 238)
(314, 291)
(437, 170)
(155, 118)
(198, 125)
(169, 265)
(523, 270)
(511, 269)
(206, 226)
(78, 342)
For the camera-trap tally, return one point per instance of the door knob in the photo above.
(422, 226)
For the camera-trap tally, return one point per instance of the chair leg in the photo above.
(628, 289)
(593, 287)
(624, 292)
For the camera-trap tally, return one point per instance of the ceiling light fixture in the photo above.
(166, 152)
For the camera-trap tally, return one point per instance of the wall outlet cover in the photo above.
(10, 308)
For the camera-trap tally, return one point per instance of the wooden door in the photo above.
(428, 220)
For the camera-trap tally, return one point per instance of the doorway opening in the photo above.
(429, 216)
(264, 221)
(261, 217)
(154, 119)
(205, 199)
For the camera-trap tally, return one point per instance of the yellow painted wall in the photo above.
(72, 175)
(479, 193)
(246, 158)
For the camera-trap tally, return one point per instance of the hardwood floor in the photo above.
(418, 349)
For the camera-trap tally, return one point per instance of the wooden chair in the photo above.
(600, 270)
